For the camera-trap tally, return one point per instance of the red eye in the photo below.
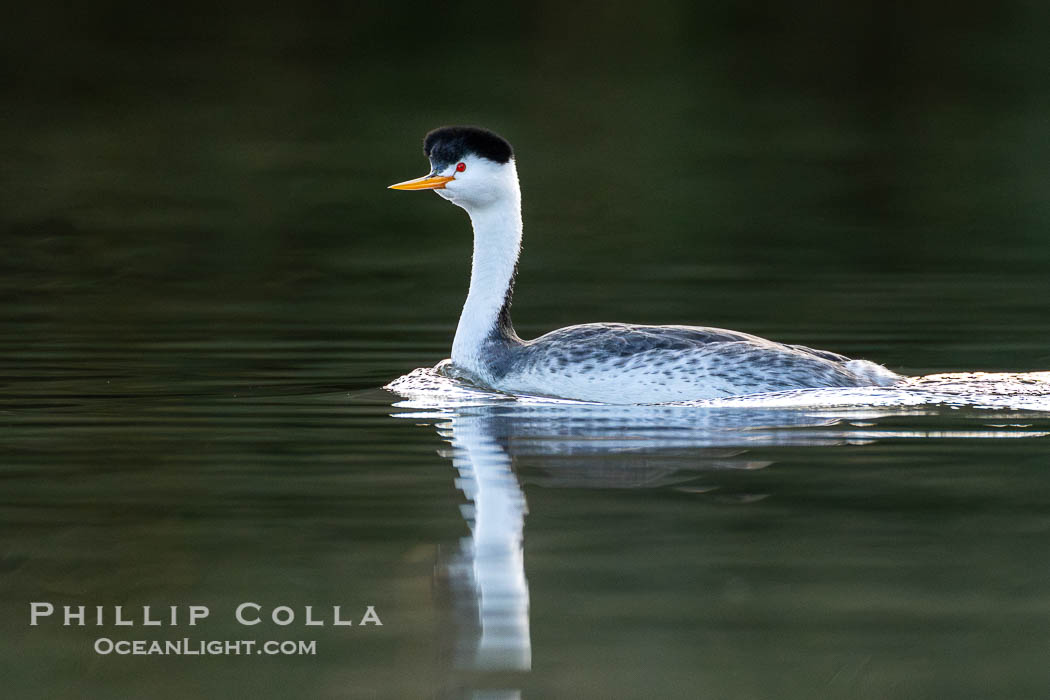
(460, 167)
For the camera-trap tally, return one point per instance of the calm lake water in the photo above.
(206, 286)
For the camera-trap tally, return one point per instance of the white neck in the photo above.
(497, 243)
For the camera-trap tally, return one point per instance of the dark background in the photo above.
(817, 173)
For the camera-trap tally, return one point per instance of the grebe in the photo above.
(605, 362)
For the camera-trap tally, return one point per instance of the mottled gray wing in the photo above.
(623, 340)
(746, 360)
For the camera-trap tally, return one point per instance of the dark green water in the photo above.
(204, 284)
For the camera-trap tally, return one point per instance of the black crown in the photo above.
(449, 144)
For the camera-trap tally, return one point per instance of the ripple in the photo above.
(428, 387)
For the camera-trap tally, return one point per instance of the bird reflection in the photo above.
(497, 448)
(502, 444)
(489, 568)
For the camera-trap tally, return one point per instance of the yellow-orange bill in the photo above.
(427, 182)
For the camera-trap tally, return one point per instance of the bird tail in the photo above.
(869, 371)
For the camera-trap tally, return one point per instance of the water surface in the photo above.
(205, 286)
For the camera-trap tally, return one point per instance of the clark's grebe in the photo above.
(608, 362)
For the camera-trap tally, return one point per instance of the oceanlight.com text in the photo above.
(189, 647)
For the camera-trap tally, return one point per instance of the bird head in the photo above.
(471, 167)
